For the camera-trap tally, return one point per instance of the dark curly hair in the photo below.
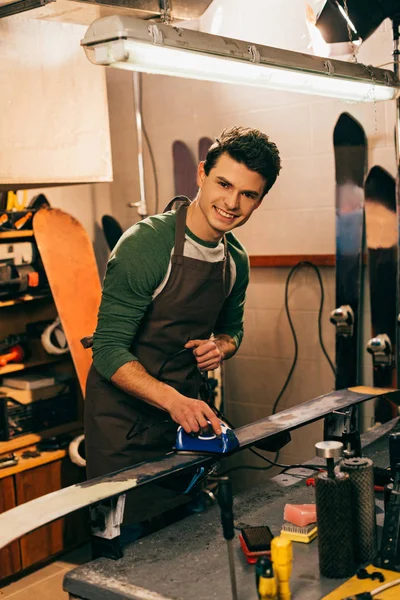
(250, 147)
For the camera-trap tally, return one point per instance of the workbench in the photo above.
(188, 560)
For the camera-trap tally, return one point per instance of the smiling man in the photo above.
(172, 306)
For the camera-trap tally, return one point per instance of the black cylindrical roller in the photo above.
(335, 525)
(361, 473)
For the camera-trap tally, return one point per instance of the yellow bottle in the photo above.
(282, 556)
(267, 582)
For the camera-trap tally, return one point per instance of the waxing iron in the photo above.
(206, 441)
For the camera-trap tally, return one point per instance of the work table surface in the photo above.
(188, 560)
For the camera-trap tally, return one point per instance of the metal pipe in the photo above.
(232, 572)
(141, 205)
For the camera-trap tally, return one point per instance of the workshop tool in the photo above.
(266, 581)
(334, 516)
(296, 533)
(364, 574)
(14, 354)
(282, 557)
(346, 432)
(389, 556)
(17, 200)
(300, 514)
(225, 502)
(255, 542)
(43, 510)
(382, 476)
(17, 418)
(106, 519)
(365, 589)
(206, 441)
(394, 451)
(361, 473)
(9, 460)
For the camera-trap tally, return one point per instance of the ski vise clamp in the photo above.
(106, 518)
(343, 318)
(381, 349)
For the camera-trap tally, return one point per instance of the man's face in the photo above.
(227, 196)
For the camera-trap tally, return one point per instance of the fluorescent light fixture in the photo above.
(129, 43)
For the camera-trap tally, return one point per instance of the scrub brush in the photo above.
(296, 533)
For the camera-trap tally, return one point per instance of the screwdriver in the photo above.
(281, 555)
(225, 502)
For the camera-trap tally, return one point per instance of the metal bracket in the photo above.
(255, 55)
(343, 318)
(165, 9)
(106, 517)
(156, 34)
(330, 69)
(381, 349)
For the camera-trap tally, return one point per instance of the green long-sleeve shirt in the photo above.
(137, 272)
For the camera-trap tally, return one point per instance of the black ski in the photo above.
(382, 236)
(350, 148)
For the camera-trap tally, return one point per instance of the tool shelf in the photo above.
(34, 476)
(14, 367)
(21, 299)
(12, 235)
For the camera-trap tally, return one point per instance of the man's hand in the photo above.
(207, 354)
(192, 414)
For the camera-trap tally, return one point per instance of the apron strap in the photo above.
(227, 268)
(179, 201)
(180, 239)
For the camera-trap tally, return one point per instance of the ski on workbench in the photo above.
(29, 516)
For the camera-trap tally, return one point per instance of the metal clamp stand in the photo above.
(381, 349)
(106, 519)
(334, 426)
(350, 436)
(343, 318)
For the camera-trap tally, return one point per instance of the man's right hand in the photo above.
(192, 414)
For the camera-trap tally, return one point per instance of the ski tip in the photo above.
(348, 132)
(204, 145)
(373, 391)
(380, 187)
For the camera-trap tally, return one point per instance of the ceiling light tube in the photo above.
(129, 43)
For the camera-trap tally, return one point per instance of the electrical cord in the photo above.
(300, 265)
(149, 146)
(274, 463)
